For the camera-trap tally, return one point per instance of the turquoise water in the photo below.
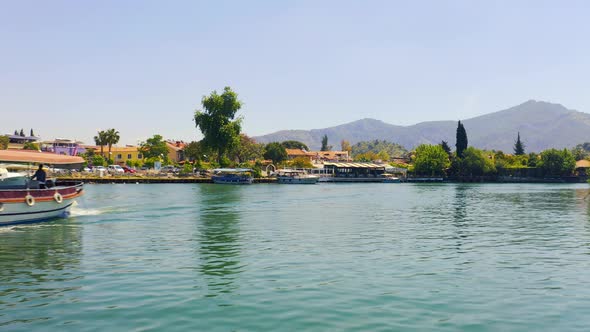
(350, 257)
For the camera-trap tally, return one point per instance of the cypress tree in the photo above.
(446, 147)
(461, 144)
(32, 133)
(518, 146)
(22, 133)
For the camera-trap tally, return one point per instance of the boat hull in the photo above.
(297, 180)
(232, 179)
(36, 205)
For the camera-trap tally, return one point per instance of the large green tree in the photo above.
(461, 143)
(194, 151)
(101, 140)
(431, 160)
(518, 146)
(154, 147)
(557, 162)
(475, 162)
(275, 152)
(217, 122)
(294, 145)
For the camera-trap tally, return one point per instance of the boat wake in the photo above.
(78, 212)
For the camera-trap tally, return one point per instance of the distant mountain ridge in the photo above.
(542, 125)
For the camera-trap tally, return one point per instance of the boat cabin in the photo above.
(355, 170)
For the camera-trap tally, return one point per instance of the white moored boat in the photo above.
(21, 199)
(291, 176)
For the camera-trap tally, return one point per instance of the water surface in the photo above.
(345, 257)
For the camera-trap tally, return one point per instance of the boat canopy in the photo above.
(37, 157)
(232, 170)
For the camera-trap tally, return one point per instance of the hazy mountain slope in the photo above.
(541, 125)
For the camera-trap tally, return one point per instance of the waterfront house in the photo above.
(17, 142)
(175, 151)
(299, 153)
(330, 156)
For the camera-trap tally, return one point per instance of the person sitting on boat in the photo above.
(40, 175)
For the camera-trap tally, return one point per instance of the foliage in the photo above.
(247, 149)
(383, 155)
(461, 144)
(581, 151)
(532, 159)
(325, 146)
(294, 145)
(557, 162)
(31, 146)
(301, 162)
(275, 152)
(221, 134)
(431, 160)
(22, 133)
(154, 148)
(101, 140)
(518, 146)
(446, 147)
(187, 168)
(194, 151)
(4, 140)
(345, 146)
(111, 137)
(476, 163)
(366, 157)
(32, 133)
(393, 150)
(97, 160)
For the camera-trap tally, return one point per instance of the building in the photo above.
(330, 156)
(18, 142)
(64, 147)
(175, 151)
(355, 172)
(299, 153)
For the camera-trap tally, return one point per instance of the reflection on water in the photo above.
(35, 265)
(219, 246)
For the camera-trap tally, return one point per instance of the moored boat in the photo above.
(22, 200)
(291, 176)
(232, 176)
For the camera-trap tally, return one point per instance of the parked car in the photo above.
(115, 169)
(87, 169)
(169, 169)
(128, 169)
(99, 169)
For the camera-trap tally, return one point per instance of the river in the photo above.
(341, 257)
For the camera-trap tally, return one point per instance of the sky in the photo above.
(71, 68)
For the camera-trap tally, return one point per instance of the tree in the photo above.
(532, 160)
(383, 155)
(98, 160)
(194, 151)
(518, 146)
(22, 133)
(557, 162)
(154, 148)
(461, 144)
(325, 146)
(301, 162)
(220, 133)
(4, 140)
(474, 162)
(15, 132)
(345, 146)
(112, 137)
(247, 149)
(101, 140)
(431, 160)
(295, 145)
(275, 152)
(445, 146)
(32, 133)
(376, 146)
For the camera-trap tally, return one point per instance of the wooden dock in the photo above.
(137, 180)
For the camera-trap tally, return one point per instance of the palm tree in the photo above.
(112, 137)
(101, 140)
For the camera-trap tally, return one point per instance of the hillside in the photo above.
(541, 125)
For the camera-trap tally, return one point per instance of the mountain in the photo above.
(542, 125)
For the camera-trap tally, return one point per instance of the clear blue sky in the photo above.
(70, 68)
